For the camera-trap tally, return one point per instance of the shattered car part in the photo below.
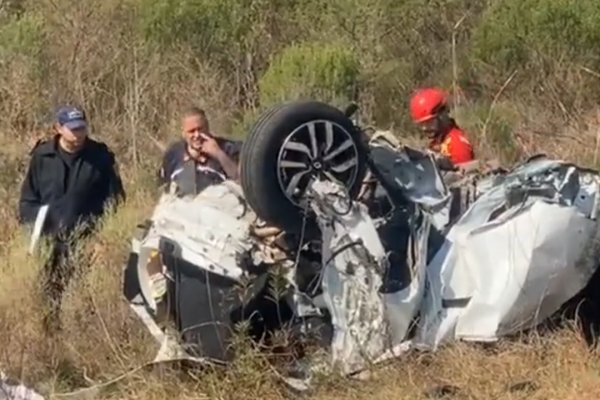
(524, 248)
(439, 260)
(15, 391)
(411, 178)
(367, 319)
(193, 266)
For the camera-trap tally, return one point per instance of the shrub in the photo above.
(20, 37)
(514, 32)
(22, 68)
(328, 72)
(491, 130)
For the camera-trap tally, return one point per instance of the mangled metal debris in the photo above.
(432, 263)
(524, 248)
(10, 390)
(371, 312)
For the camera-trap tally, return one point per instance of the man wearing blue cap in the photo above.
(76, 177)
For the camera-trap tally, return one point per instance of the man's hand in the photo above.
(211, 148)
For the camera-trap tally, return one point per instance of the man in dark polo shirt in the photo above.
(200, 159)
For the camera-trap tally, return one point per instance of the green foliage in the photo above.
(12, 8)
(206, 25)
(500, 138)
(328, 72)
(238, 56)
(22, 67)
(21, 36)
(514, 32)
(167, 22)
(493, 127)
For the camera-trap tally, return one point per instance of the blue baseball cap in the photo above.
(71, 117)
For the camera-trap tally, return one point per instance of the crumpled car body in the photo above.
(526, 246)
(432, 268)
(193, 265)
(10, 390)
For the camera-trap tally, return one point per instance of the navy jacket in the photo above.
(76, 191)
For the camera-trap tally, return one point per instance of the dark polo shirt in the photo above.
(190, 176)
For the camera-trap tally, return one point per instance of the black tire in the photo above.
(259, 157)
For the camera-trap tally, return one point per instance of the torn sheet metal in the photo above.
(15, 391)
(525, 247)
(212, 230)
(412, 175)
(200, 266)
(367, 322)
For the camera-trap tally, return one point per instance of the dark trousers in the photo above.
(57, 272)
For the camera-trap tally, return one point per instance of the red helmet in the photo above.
(425, 103)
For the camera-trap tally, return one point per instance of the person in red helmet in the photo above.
(429, 109)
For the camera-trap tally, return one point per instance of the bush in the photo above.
(328, 72)
(552, 44)
(211, 28)
(20, 37)
(514, 32)
(167, 22)
(491, 130)
(22, 69)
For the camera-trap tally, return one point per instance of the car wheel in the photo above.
(290, 144)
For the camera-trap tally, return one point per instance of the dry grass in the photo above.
(91, 55)
(102, 339)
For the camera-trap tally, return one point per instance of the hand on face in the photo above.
(196, 135)
(194, 140)
(209, 146)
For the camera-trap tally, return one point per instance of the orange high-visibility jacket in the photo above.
(456, 146)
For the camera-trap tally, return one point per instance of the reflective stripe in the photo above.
(201, 168)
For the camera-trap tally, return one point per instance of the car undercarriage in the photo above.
(361, 245)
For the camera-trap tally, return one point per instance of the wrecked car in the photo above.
(417, 262)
